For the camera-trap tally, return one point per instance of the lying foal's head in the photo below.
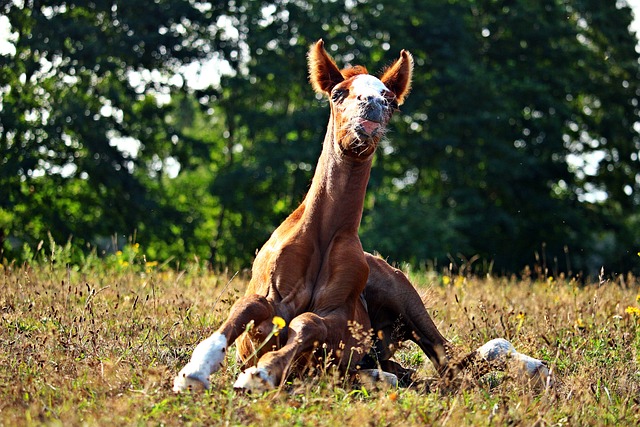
(361, 104)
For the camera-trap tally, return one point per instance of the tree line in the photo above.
(518, 145)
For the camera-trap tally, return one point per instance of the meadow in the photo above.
(98, 343)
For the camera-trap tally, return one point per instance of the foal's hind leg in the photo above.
(397, 314)
(210, 353)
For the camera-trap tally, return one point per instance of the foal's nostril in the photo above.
(375, 111)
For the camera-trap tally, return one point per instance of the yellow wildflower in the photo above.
(446, 280)
(520, 318)
(278, 324)
(149, 266)
(634, 311)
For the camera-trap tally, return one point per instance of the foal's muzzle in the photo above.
(376, 110)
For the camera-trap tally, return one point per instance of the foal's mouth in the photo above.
(365, 135)
(369, 128)
(372, 118)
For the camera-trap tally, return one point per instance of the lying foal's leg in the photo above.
(210, 353)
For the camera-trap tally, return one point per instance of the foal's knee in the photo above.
(308, 324)
(249, 308)
(258, 305)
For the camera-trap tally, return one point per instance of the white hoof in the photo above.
(527, 368)
(374, 376)
(496, 349)
(254, 379)
(207, 358)
(182, 382)
(535, 371)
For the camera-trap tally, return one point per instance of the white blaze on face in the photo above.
(365, 85)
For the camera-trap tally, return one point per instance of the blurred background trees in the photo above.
(518, 145)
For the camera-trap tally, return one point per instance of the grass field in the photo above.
(100, 344)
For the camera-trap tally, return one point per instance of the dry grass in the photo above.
(100, 345)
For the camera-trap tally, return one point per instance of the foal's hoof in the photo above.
(377, 377)
(207, 358)
(254, 379)
(528, 369)
(184, 382)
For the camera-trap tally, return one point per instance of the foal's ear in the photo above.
(323, 71)
(397, 77)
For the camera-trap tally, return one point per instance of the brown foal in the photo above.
(312, 272)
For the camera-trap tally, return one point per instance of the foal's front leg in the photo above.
(210, 353)
(305, 333)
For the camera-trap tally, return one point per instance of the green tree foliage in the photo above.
(508, 97)
(522, 116)
(82, 75)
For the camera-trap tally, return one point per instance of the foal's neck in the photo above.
(336, 197)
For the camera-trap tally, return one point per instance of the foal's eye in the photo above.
(339, 94)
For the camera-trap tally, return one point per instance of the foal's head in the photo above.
(361, 104)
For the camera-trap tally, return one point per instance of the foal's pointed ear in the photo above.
(397, 77)
(323, 71)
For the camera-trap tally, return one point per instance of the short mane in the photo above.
(353, 71)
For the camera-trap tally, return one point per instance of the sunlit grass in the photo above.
(100, 344)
